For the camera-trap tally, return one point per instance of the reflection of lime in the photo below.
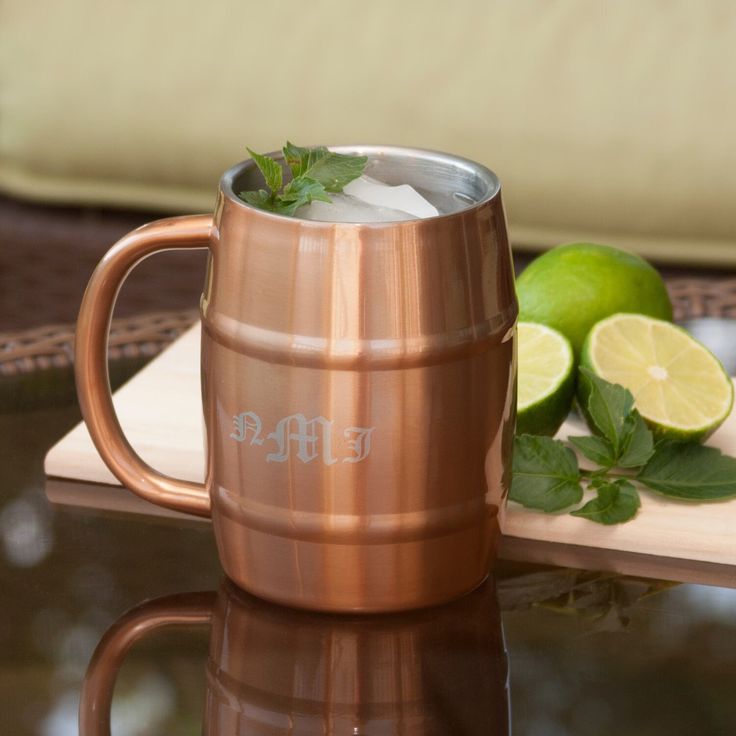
(573, 286)
(546, 379)
(679, 387)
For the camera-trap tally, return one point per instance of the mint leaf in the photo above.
(690, 471)
(608, 406)
(638, 442)
(545, 478)
(298, 192)
(545, 474)
(332, 170)
(335, 170)
(301, 159)
(315, 172)
(270, 169)
(262, 199)
(597, 449)
(627, 441)
(614, 503)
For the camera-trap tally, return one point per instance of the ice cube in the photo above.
(368, 200)
(347, 208)
(402, 197)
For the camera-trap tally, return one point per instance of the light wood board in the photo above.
(161, 412)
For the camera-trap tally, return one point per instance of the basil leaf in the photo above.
(638, 442)
(545, 474)
(608, 406)
(597, 449)
(691, 471)
(270, 169)
(615, 502)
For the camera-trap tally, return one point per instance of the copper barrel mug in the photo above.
(358, 385)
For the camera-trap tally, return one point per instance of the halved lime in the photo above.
(679, 386)
(546, 379)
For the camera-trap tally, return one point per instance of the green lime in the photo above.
(679, 386)
(572, 287)
(546, 379)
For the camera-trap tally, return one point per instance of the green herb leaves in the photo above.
(638, 442)
(315, 172)
(270, 169)
(332, 170)
(546, 475)
(616, 501)
(626, 440)
(298, 192)
(597, 449)
(301, 159)
(691, 471)
(608, 407)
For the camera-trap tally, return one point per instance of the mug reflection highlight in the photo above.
(274, 670)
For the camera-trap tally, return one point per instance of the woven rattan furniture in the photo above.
(144, 336)
(36, 364)
(47, 255)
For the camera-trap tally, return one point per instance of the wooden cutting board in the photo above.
(161, 412)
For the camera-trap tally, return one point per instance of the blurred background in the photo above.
(608, 122)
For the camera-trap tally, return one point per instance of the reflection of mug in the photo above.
(358, 388)
(273, 670)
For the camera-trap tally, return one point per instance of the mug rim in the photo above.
(486, 175)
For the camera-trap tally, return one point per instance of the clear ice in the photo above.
(368, 200)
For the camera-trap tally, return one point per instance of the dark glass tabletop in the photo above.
(538, 650)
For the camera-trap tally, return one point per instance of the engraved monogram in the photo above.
(307, 439)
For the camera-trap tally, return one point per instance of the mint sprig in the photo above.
(546, 475)
(314, 171)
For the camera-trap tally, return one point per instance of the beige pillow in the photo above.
(612, 122)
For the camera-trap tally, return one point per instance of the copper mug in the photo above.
(358, 384)
(273, 670)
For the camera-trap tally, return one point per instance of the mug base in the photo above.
(345, 578)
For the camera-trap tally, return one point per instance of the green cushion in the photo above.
(611, 122)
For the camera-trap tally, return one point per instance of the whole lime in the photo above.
(573, 286)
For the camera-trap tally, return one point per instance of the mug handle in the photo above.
(182, 609)
(90, 360)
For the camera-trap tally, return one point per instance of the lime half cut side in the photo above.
(546, 379)
(679, 386)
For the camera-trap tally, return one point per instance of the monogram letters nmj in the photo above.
(307, 439)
